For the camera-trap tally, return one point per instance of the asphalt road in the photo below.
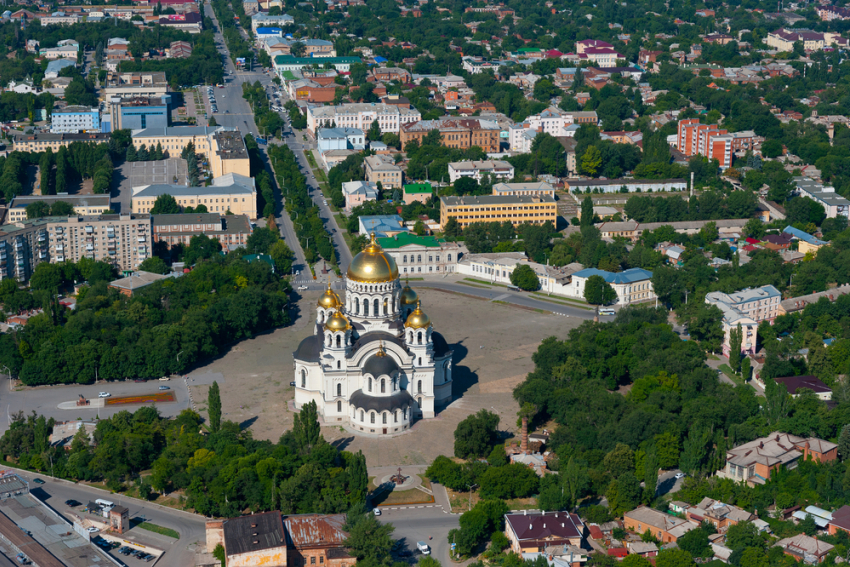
(178, 553)
(418, 524)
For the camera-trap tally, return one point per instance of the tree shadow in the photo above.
(115, 190)
(341, 444)
(248, 422)
(463, 378)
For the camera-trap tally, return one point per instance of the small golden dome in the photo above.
(337, 322)
(329, 299)
(372, 265)
(408, 296)
(418, 319)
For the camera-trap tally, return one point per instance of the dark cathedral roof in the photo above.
(375, 336)
(380, 365)
(399, 400)
(309, 349)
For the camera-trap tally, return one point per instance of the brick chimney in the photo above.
(523, 447)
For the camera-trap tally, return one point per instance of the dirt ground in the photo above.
(492, 344)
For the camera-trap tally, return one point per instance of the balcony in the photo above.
(59, 248)
(60, 258)
(89, 248)
(89, 229)
(142, 239)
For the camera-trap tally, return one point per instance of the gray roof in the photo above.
(336, 133)
(310, 349)
(182, 190)
(58, 64)
(398, 400)
(253, 533)
(176, 131)
(496, 199)
(75, 200)
(137, 280)
(379, 365)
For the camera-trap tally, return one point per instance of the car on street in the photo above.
(377, 511)
(164, 388)
(680, 475)
(72, 503)
(38, 481)
(423, 548)
(93, 530)
(104, 395)
(292, 384)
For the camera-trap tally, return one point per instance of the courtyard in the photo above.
(492, 343)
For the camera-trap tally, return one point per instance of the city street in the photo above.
(178, 553)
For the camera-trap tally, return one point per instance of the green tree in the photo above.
(524, 278)
(45, 167)
(165, 205)
(650, 475)
(745, 368)
(419, 228)
(374, 132)
(591, 161)
(131, 153)
(696, 543)
(844, 443)
(735, 342)
(212, 121)
(674, 558)
(306, 431)
(369, 541)
(452, 228)
(599, 292)
(587, 211)
(37, 210)
(261, 240)
(282, 257)
(214, 406)
(475, 435)
(154, 265)
(61, 209)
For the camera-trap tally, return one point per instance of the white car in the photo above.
(423, 548)
(93, 530)
(680, 475)
(302, 287)
(377, 511)
(104, 395)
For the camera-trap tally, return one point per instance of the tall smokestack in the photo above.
(524, 439)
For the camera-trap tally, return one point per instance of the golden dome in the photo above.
(418, 319)
(408, 296)
(329, 299)
(337, 322)
(372, 265)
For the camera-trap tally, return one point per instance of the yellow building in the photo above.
(40, 142)
(224, 149)
(517, 209)
(85, 205)
(230, 192)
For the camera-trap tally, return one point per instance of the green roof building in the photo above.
(420, 255)
(289, 63)
(421, 192)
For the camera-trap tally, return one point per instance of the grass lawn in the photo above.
(473, 285)
(727, 370)
(575, 304)
(159, 530)
(485, 282)
(401, 497)
(310, 159)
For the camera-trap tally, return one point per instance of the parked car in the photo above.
(377, 511)
(93, 530)
(680, 475)
(292, 384)
(38, 481)
(423, 548)
(104, 395)
(164, 388)
(72, 503)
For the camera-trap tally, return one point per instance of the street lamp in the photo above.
(469, 488)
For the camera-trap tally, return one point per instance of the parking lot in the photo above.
(137, 173)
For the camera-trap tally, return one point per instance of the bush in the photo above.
(475, 435)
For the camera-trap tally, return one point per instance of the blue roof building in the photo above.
(382, 225)
(267, 32)
(804, 236)
(632, 286)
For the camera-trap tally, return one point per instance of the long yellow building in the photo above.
(517, 209)
(231, 192)
(224, 149)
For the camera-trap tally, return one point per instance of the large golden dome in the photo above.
(408, 296)
(372, 265)
(337, 322)
(418, 319)
(329, 299)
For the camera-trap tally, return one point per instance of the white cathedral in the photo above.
(374, 362)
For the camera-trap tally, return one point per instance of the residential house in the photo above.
(477, 169)
(381, 169)
(755, 461)
(796, 383)
(136, 281)
(805, 548)
(664, 527)
(797, 304)
(341, 139)
(833, 203)
(421, 192)
(316, 540)
(536, 531)
(717, 513)
(358, 192)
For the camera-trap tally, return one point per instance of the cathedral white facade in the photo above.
(374, 362)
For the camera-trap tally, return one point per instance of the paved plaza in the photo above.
(492, 344)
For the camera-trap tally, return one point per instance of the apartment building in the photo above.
(552, 121)
(139, 113)
(498, 208)
(75, 119)
(122, 240)
(23, 245)
(755, 461)
(532, 188)
(460, 133)
(60, 19)
(710, 141)
(224, 148)
(40, 142)
(83, 204)
(577, 186)
(496, 169)
(421, 254)
(746, 308)
(390, 117)
(135, 84)
(262, 19)
(231, 192)
(833, 203)
(538, 531)
(784, 39)
(231, 230)
(61, 51)
(381, 168)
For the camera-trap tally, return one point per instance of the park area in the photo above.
(492, 342)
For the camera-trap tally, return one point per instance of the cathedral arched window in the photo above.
(372, 417)
(395, 384)
(321, 317)
(366, 307)
(303, 378)
(386, 307)
(339, 407)
(395, 416)
(377, 311)
(339, 390)
(384, 418)
(361, 416)
(357, 305)
(383, 386)
(419, 387)
(419, 337)
(338, 341)
(370, 384)
(420, 361)
(405, 413)
(338, 365)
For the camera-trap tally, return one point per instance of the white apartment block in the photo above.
(746, 308)
(122, 240)
(361, 115)
(552, 121)
(495, 168)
